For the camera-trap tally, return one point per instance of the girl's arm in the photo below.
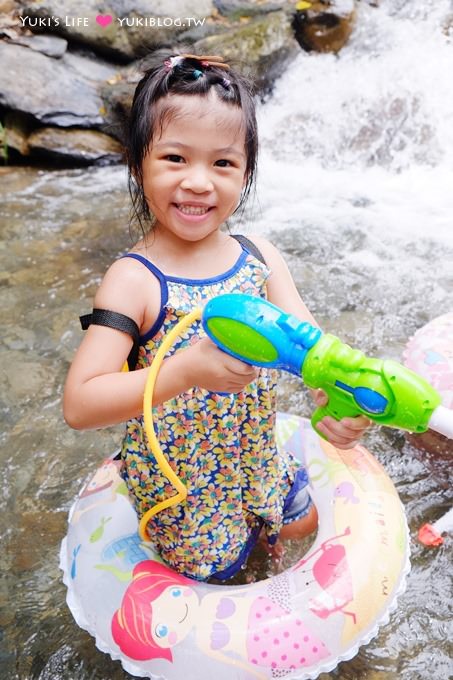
(282, 292)
(97, 393)
(281, 289)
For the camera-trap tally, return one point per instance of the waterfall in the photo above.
(366, 137)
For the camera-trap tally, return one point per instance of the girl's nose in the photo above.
(198, 180)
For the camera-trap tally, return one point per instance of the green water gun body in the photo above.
(259, 333)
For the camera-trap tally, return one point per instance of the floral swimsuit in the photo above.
(222, 447)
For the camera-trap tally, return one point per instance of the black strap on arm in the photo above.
(120, 322)
(250, 246)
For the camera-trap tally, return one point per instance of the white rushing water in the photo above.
(366, 138)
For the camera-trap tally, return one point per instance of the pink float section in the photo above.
(430, 353)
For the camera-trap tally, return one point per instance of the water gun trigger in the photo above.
(318, 415)
(364, 400)
(335, 408)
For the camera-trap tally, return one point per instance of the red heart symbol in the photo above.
(104, 19)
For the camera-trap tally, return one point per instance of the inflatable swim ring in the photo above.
(430, 353)
(297, 624)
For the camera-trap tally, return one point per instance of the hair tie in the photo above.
(205, 60)
(226, 83)
(173, 62)
(197, 74)
(211, 60)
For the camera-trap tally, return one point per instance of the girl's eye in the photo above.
(223, 163)
(174, 158)
(176, 592)
(161, 630)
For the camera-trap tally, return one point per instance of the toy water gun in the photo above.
(259, 333)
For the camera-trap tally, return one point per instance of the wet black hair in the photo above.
(145, 118)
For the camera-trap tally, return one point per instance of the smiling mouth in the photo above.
(192, 209)
(185, 615)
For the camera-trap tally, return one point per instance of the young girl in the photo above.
(192, 152)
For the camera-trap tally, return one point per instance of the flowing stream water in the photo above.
(356, 189)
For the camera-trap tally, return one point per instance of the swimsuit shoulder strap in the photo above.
(250, 246)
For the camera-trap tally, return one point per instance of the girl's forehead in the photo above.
(183, 113)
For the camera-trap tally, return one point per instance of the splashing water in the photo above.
(356, 173)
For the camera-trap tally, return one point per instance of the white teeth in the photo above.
(192, 209)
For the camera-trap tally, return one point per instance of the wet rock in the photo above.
(235, 9)
(7, 6)
(117, 102)
(17, 127)
(91, 68)
(25, 379)
(430, 441)
(50, 45)
(17, 338)
(81, 146)
(123, 29)
(324, 26)
(448, 26)
(47, 89)
(263, 46)
(34, 527)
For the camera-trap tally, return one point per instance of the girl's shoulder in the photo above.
(270, 253)
(130, 288)
(129, 271)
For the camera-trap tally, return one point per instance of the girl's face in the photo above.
(173, 615)
(194, 172)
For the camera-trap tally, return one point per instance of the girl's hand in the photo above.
(210, 368)
(344, 433)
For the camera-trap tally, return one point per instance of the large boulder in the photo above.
(42, 96)
(17, 127)
(263, 46)
(50, 45)
(238, 9)
(123, 29)
(50, 90)
(82, 147)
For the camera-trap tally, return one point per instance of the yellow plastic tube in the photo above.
(153, 442)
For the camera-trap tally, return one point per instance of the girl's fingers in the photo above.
(343, 434)
(240, 368)
(320, 397)
(357, 423)
(347, 427)
(338, 442)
